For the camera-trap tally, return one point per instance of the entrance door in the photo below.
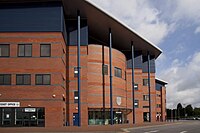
(146, 116)
(7, 117)
(75, 119)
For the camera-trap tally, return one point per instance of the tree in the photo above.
(189, 110)
(180, 110)
(197, 112)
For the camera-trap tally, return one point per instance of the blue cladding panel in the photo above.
(46, 17)
(145, 64)
(137, 62)
(84, 36)
(158, 86)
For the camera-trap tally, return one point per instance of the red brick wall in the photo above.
(72, 84)
(36, 95)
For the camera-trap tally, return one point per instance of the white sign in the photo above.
(29, 110)
(9, 104)
(119, 100)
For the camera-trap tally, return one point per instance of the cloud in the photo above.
(183, 78)
(140, 15)
(197, 30)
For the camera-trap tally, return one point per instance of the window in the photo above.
(43, 79)
(24, 50)
(145, 82)
(75, 72)
(23, 79)
(146, 97)
(136, 86)
(105, 69)
(136, 103)
(118, 72)
(158, 105)
(4, 50)
(5, 79)
(145, 106)
(75, 96)
(45, 50)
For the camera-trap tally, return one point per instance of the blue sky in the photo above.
(174, 26)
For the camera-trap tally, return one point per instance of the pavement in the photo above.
(191, 126)
(160, 127)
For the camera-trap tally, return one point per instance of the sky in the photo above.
(174, 26)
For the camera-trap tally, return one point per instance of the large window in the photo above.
(75, 96)
(146, 97)
(45, 50)
(23, 79)
(24, 50)
(4, 50)
(118, 72)
(105, 69)
(43, 79)
(5, 79)
(145, 82)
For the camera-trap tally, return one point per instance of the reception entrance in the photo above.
(22, 117)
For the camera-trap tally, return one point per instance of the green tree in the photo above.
(180, 110)
(189, 110)
(197, 112)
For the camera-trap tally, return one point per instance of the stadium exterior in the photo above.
(69, 63)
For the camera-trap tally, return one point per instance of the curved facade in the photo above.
(55, 64)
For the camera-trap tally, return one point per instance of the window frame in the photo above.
(136, 87)
(23, 79)
(75, 97)
(3, 75)
(76, 72)
(147, 84)
(41, 50)
(145, 97)
(8, 50)
(104, 69)
(24, 50)
(117, 71)
(42, 79)
(136, 101)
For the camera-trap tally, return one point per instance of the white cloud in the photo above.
(197, 30)
(183, 79)
(140, 15)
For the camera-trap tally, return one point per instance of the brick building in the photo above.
(66, 62)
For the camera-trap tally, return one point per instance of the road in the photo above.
(180, 127)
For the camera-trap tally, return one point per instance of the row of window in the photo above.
(25, 50)
(25, 79)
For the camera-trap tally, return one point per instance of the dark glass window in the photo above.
(105, 69)
(136, 103)
(146, 97)
(136, 86)
(75, 96)
(5, 79)
(43, 79)
(45, 50)
(4, 50)
(75, 72)
(145, 82)
(118, 72)
(24, 50)
(23, 79)
(158, 105)
(145, 106)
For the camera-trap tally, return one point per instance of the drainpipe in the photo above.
(79, 74)
(149, 86)
(133, 83)
(110, 59)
